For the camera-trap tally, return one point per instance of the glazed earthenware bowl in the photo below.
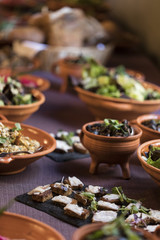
(110, 150)
(82, 232)
(151, 170)
(19, 113)
(17, 163)
(16, 226)
(147, 133)
(118, 108)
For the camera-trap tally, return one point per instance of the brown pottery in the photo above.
(147, 133)
(110, 150)
(19, 113)
(15, 226)
(17, 163)
(83, 231)
(151, 170)
(67, 69)
(118, 108)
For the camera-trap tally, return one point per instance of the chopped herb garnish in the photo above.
(2, 140)
(17, 127)
(123, 197)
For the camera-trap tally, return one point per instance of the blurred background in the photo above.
(41, 32)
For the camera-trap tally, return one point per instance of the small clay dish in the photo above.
(83, 231)
(151, 170)
(16, 226)
(19, 113)
(12, 164)
(110, 150)
(118, 108)
(147, 133)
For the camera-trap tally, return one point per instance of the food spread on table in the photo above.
(152, 157)
(115, 82)
(92, 203)
(12, 92)
(13, 141)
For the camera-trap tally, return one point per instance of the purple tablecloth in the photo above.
(66, 111)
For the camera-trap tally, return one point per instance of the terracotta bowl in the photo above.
(118, 108)
(19, 113)
(32, 81)
(83, 231)
(17, 163)
(151, 170)
(15, 226)
(147, 133)
(67, 69)
(110, 150)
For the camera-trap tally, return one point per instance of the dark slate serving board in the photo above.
(64, 157)
(53, 210)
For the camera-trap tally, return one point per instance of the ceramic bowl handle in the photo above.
(2, 117)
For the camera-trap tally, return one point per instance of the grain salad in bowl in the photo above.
(12, 140)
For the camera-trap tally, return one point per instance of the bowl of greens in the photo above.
(111, 142)
(116, 230)
(149, 156)
(17, 102)
(115, 93)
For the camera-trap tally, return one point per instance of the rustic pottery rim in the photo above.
(146, 117)
(139, 153)
(111, 138)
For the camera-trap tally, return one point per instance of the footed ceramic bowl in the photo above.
(83, 231)
(118, 108)
(19, 113)
(151, 170)
(16, 226)
(110, 150)
(17, 163)
(147, 133)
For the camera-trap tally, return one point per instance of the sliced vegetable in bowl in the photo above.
(153, 156)
(12, 92)
(115, 82)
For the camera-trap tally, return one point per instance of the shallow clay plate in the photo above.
(16, 226)
(17, 163)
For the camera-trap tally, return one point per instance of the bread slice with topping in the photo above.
(74, 183)
(104, 216)
(41, 193)
(62, 201)
(61, 188)
(74, 210)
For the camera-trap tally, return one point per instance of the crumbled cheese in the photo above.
(104, 216)
(74, 208)
(62, 199)
(151, 228)
(155, 215)
(61, 133)
(60, 144)
(74, 181)
(137, 205)
(75, 139)
(108, 205)
(111, 197)
(93, 189)
(59, 184)
(40, 189)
